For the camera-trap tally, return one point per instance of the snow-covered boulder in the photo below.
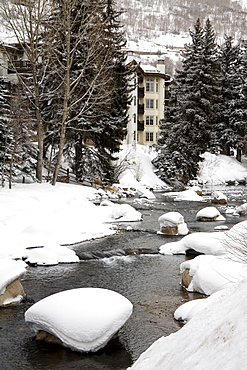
(242, 210)
(189, 195)
(50, 255)
(11, 290)
(83, 319)
(172, 223)
(218, 197)
(191, 308)
(209, 214)
(197, 189)
(213, 273)
(207, 243)
(121, 212)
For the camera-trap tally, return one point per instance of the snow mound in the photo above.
(171, 220)
(121, 212)
(207, 243)
(139, 172)
(191, 308)
(10, 270)
(209, 213)
(50, 255)
(213, 339)
(219, 169)
(190, 195)
(213, 273)
(84, 319)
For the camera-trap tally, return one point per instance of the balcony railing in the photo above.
(140, 125)
(140, 108)
(141, 92)
(20, 66)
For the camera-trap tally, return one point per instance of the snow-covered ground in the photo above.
(36, 220)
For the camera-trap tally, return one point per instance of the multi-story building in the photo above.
(12, 60)
(148, 100)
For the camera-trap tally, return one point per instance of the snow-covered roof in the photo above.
(148, 68)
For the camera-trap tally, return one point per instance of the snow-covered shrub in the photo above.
(236, 241)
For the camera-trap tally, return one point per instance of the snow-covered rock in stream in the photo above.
(121, 212)
(11, 290)
(207, 243)
(83, 319)
(50, 255)
(172, 223)
(242, 210)
(218, 198)
(209, 214)
(189, 195)
(212, 273)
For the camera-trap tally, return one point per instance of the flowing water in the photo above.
(128, 263)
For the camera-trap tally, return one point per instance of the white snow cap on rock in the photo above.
(10, 270)
(219, 196)
(121, 212)
(209, 213)
(213, 273)
(190, 195)
(171, 219)
(208, 243)
(84, 319)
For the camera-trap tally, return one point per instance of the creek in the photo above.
(128, 263)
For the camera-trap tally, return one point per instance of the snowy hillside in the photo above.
(162, 26)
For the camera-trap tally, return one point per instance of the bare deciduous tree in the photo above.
(25, 19)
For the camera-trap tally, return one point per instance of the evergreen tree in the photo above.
(106, 127)
(238, 116)
(86, 83)
(224, 137)
(186, 129)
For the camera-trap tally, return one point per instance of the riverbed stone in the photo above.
(186, 278)
(219, 198)
(13, 295)
(169, 230)
(43, 336)
(172, 223)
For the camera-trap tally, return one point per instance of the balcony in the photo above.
(141, 92)
(19, 66)
(140, 108)
(140, 79)
(140, 125)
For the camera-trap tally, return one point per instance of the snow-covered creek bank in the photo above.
(150, 281)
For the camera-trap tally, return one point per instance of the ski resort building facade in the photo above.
(148, 100)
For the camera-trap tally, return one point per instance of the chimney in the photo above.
(161, 66)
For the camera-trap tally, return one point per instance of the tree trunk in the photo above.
(227, 150)
(239, 155)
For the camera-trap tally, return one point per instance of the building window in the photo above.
(134, 118)
(150, 84)
(149, 136)
(157, 122)
(134, 99)
(149, 120)
(157, 87)
(149, 103)
(157, 105)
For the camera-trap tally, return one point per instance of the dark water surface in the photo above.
(133, 268)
